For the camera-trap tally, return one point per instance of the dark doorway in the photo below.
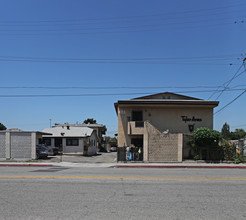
(137, 116)
(58, 143)
(137, 142)
(137, 149)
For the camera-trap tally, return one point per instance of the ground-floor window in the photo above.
(72, 142)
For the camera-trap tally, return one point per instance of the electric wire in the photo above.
(229, 82)
(120, 62)
(225, 56)
(100, 22)
(211, 60)
(103, 94)
(117, 27)
(117, 32)
(230, 102)
(132, 16)
(108, 87)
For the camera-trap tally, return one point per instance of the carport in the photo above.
(18, 144)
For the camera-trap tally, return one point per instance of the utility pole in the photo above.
(50, 123)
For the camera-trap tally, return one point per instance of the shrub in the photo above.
(206, 137)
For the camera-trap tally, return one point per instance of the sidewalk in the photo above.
(183, 165)
(108, 160)
(127, 165)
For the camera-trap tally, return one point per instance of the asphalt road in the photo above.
(113, 193)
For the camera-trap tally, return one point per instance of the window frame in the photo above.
(70, 142)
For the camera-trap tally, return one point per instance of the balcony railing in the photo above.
(139, 124)
(135, 127)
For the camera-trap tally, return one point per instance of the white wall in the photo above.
(73, 149)
(92, 149)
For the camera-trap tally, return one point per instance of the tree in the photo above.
(109, 139)
(238, 134)
(2, 127)
(90, 121)
(225, 131)
(206, 144)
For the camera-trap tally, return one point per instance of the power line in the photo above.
(116, 32)
(117, 62)
(215, 60)
(119, 27)
(226, 56)
(229, 82)
(108, 87)
(100, 22)
(101, 94)
(133, 16)
(230, 102)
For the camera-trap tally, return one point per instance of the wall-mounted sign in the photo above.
(191, 127)
(193, 119)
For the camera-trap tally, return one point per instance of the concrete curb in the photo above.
(24, 165)
(183, 166)
(110, 165)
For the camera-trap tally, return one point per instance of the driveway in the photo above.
(101, 157)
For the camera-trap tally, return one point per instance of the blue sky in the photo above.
(147, 46)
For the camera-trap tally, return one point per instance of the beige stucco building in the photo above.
(157, 124)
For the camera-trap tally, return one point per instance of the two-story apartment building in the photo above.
(157, 123)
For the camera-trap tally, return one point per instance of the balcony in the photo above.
(135, 128)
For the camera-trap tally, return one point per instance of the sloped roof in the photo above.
(166, 99)
(167, 95)
(81, 125)
(71, 132)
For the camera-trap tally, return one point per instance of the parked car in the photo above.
(55, 151)
(113, 146)
(113, 149)
(42, 151)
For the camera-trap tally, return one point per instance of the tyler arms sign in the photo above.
(193, 119)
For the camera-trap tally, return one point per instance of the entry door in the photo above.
(58, 143)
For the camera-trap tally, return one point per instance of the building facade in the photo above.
(70, 139)
(100, 130)
(157, 123)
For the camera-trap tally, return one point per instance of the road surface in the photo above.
(114, 193)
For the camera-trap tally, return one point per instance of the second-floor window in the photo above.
(137, 116)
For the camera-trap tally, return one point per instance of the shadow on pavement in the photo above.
(72, 158)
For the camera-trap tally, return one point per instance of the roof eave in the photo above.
(168, 102)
